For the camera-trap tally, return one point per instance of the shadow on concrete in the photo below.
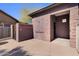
(2, 51)
(25, 40)
(2, 43)
(18, 51)
(3, 39)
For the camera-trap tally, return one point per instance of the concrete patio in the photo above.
(35, 47)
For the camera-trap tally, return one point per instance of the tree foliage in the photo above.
(24, 17)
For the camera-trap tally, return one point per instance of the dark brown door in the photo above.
(62, 26)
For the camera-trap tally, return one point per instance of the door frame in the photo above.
(65, 15)
(52, 22)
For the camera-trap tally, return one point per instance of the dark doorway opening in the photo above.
(60, 26)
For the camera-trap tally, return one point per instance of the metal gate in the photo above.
(5, 31)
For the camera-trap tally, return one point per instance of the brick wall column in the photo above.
(77, 32)
(11, 26)
(73, 24)
(17, 32)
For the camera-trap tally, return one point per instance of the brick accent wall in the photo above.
(41, 27)
(73, 24)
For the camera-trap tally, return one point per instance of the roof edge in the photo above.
(9, 16)
(45, 8)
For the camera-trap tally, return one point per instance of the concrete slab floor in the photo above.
(36, 47)
(61, 47)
